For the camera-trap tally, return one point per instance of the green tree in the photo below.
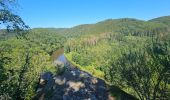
(146, 71)
(7, 18)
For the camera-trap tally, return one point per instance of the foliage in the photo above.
(123, 51)
(22, 61)
(9, 19)
(21, 65)
(146, 71)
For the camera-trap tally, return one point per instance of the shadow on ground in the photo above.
(75, 84)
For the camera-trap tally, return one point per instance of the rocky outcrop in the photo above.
(73, 84)
(79, 85)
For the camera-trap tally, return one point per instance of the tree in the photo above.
(12, 22)
(146, 71)
(9, 20)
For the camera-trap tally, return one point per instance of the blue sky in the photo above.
(68, 13)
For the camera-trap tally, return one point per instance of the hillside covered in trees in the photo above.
(127, 53)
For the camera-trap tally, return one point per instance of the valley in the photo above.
(115, 59)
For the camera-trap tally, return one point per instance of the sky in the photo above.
(69, 13)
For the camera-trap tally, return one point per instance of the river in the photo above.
(58, 55)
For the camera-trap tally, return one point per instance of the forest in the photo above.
(131, 54)
(128, 53)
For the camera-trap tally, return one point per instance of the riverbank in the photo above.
(90, 69)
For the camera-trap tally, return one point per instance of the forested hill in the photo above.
(126, 26)
(165, 20)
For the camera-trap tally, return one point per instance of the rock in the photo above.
(73, 72)
(94, 80)
(60, 80)
(45, 85)
(75, 85)
(44, 77)
(92, 87)
(84, 75)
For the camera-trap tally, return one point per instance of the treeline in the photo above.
(125, 26)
